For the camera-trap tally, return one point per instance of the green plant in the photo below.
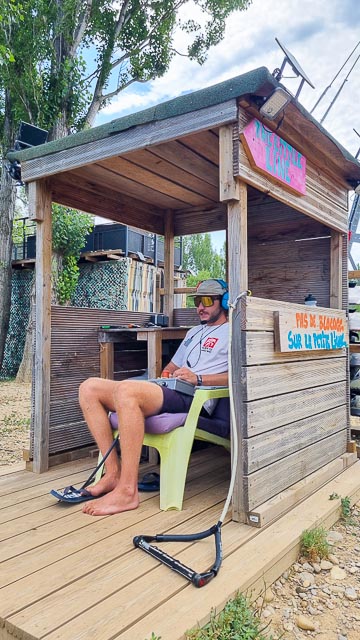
(346, 511)
(70, 229)
(154, 637)
(334, 496)
(313, 544)
(237, 621)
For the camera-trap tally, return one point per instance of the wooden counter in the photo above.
(153, 336)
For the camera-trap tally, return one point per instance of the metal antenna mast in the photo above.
(334, 78)
(338, 92)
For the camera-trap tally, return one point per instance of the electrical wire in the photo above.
(234, 435)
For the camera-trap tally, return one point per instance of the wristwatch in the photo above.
(199, 381)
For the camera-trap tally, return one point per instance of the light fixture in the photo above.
(276, 103)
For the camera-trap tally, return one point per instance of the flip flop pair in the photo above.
(71, 495)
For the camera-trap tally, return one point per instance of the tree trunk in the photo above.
(7, 209)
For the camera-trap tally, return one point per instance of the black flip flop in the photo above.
(72, 495)
(150, 482)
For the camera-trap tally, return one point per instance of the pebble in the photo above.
(334, 536)
(269, 596)
(337, 573)
(325, 565)
(305, 623)
(333, 558)
(350, 594)
(306, 578)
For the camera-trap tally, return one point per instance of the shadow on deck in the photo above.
(68, 576)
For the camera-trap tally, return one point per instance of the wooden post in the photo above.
(234, 192)
(40, 210)
(169, 267)
(154, 349)
(336, 270)
(107, 360)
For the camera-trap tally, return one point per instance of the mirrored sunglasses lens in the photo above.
(206, 301)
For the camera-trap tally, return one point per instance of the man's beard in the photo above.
(213, 318)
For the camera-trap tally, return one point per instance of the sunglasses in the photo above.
(206, 301)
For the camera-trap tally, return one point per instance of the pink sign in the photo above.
(273, 156)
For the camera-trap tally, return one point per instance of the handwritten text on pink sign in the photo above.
(275, 156)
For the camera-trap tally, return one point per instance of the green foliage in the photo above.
(237, 621)
(346, 511)
(154, 637)
(70, 229)
(313, 544)
(67, 280)
(200, 256)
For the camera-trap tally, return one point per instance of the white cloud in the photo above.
(320, 34)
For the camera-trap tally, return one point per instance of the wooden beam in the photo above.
(229, 187)
(237, 242)
(238, 282)
(40, 210)
(336, 270)
(140, 137)
(169, 266)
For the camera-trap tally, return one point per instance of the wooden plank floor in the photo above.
(68, 576)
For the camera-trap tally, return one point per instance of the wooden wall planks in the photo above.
(294, 413)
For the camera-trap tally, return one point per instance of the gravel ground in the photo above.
(15, 412)
(311, 600)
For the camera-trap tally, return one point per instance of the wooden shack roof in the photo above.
(135, 168)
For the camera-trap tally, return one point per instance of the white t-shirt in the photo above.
(204, 349)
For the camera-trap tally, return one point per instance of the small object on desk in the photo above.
(159, 319)
(109, 326)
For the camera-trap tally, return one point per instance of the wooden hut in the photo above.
(203, 162)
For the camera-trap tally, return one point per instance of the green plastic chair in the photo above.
(175, 447)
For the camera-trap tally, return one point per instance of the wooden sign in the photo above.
(274, 157)
(309, 330)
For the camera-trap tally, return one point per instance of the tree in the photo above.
(47, 80)
(201, 257)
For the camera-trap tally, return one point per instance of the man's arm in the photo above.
(170, 368)
(208, 379)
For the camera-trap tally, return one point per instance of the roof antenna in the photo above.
(358, 151)
(334, 78)
(291, 60)
(338, 92)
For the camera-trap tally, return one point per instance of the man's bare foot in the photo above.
(106, 484)
(114, 502)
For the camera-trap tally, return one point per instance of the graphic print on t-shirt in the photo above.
(209, 344)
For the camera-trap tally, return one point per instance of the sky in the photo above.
(321, 34)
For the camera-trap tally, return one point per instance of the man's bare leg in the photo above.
(133, 401)
(96, 400)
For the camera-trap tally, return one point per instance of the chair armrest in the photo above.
(201, 395)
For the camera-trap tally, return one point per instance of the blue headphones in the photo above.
(225, 297)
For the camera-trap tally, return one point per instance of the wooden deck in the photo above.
(65, 575)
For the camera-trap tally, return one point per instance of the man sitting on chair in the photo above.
(201, 359)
